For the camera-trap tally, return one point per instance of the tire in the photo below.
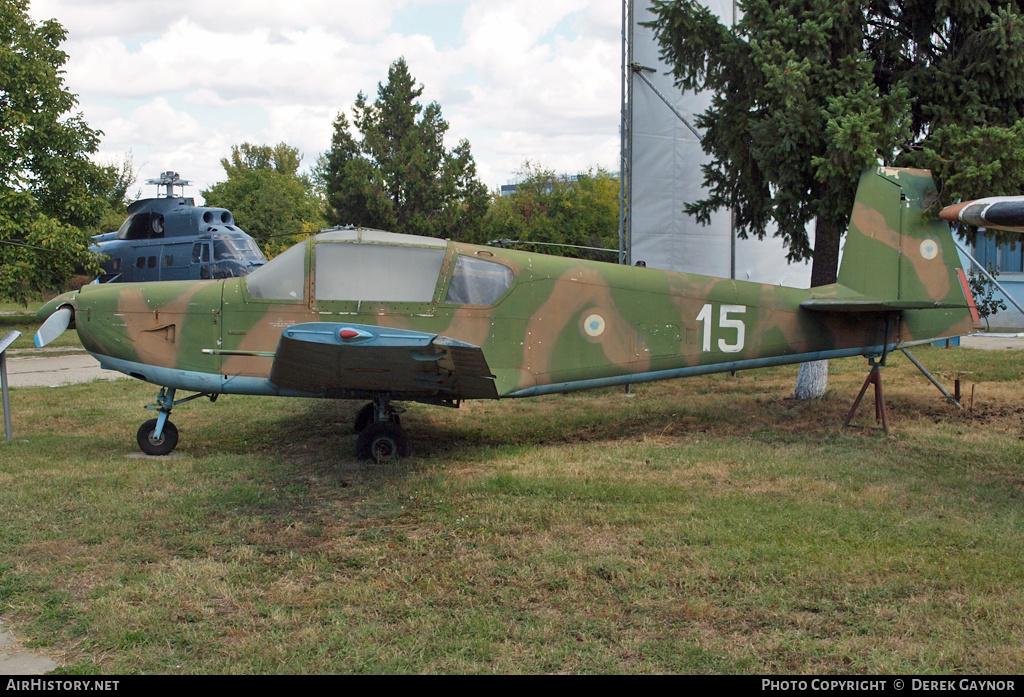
(365, 417)
(383, 442)
(168, 441)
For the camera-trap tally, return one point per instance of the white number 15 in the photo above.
(725, 322)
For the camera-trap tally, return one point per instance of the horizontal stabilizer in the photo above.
(872, 305)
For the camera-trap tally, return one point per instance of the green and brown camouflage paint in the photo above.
(568, 324)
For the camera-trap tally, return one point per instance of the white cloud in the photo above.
(355, 19)
(179, 83)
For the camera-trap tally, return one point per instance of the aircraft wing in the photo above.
(337, 359)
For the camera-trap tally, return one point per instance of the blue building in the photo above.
(1008, 260)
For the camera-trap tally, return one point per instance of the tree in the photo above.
(51, 194)
(809, 92)
(559, 210)
(268, 197)
(121, 175)
(396, 174)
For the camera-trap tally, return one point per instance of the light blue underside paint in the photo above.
(218, 384)
(619, 380)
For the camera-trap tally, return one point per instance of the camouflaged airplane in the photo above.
(365, 314)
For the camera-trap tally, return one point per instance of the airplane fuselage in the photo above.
(562, 324)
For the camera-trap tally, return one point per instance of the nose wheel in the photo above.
(153, 444)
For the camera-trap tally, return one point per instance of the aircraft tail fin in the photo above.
(893, 255)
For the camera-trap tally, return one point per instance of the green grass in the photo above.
(704, 525)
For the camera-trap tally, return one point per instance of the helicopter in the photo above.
(170, 238)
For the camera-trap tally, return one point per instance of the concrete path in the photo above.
(993, 342)
(15, 662)
(54, 371)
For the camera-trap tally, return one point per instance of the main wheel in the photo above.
(383, 442)
(157, 446)
(365, 416)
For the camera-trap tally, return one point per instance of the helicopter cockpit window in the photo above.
(377, 272)
(142, 226)
(200, 252)
(478, 282)
(283, 278)
(237, 248)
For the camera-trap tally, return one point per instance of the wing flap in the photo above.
(355, 359)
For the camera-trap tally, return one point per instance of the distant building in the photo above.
(1008, 260)
(513, 185)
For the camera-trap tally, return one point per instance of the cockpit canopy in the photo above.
(375, 266)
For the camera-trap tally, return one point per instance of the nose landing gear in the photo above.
(159, 436)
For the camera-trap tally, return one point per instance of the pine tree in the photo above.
(809, 92)
(397, 175)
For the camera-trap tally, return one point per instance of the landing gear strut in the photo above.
(159, 436)
(367, 415)
(381, 437)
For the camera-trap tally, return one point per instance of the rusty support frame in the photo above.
(874, 377)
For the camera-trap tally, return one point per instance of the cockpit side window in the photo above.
(478, 282)
(283, 278)
(376, 272)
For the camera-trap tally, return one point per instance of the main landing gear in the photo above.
(159, 436)
(381, 437)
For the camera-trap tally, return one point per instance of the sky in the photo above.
(175, 85)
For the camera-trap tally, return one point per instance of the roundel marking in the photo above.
(594, 325)
(929, 249)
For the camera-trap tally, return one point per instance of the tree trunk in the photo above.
(812, 381)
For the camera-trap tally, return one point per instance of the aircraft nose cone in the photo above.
(952, 213)
(100, 325)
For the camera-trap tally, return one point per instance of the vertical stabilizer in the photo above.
(892, 251)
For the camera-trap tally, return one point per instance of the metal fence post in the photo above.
(4, 343)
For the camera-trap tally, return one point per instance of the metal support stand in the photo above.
(875, 376)
(7, 341)
(945, 393)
